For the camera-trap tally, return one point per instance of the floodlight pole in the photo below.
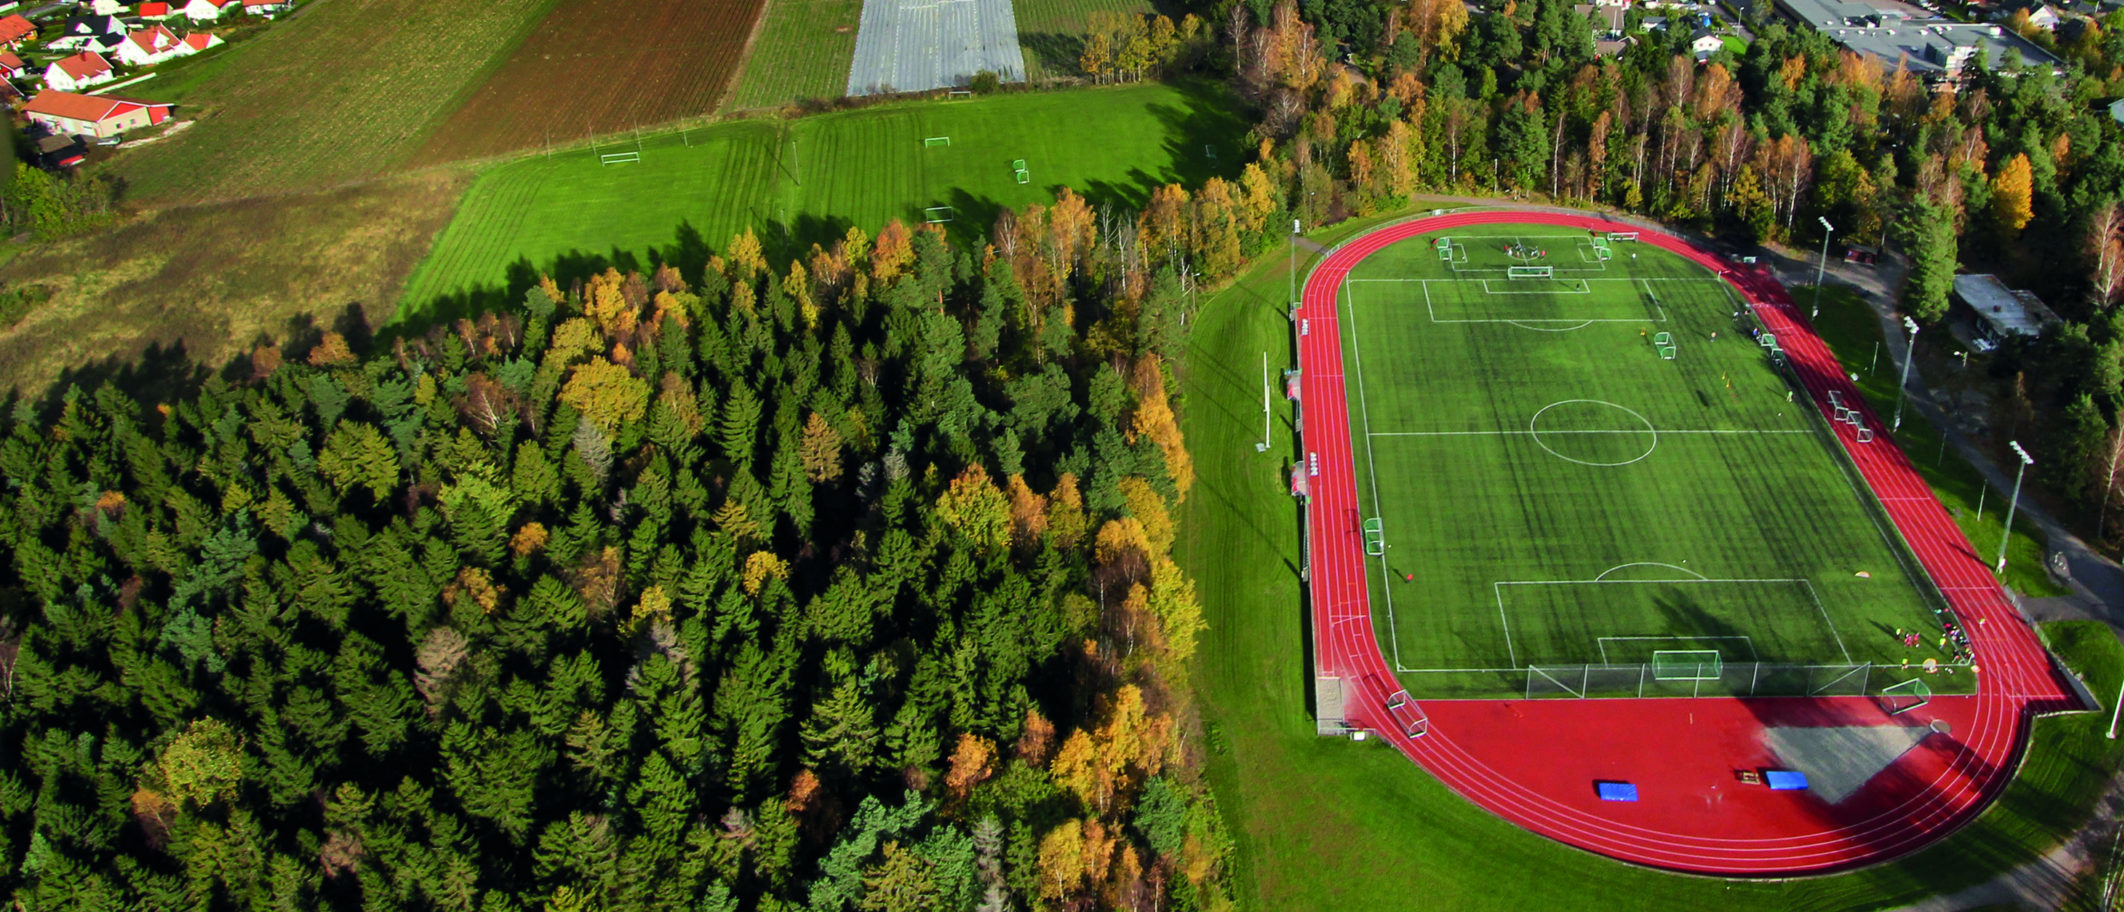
(1265, 414)
(1294, 262)
(1821, 267)
(2013, 503)
(2113, 712)
(1909, 355)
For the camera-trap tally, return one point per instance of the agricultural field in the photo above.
(599, 66)
(207, 282)
(1052, 31)
(802, 51)
(341, 92)
(808, 180)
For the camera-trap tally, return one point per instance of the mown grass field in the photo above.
(1328, 824)
(340, 92)
(803, 52)
(1052, 31)
(1563, 495)
(599, 66)
(808, 180)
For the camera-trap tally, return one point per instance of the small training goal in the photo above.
(1530, 272)
(1687, 665)
(938, 215)
(936, 141)
(619, 158)
(1622, 235)
(1903, 697)
(1017, 167)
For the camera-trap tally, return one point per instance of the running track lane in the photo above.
(1531, 762)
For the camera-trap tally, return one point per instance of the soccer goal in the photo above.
(938, 215)
(936, 141)
(1445, 248)
(1024, 176)
(1897, 699)
(619, 158)
(957, 94)
(1375, 537)
(1407, 715)
(1530, 272)
(1687, 665)
(1622, 235)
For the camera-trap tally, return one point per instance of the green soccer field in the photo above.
(807, 180)
(1597, 465)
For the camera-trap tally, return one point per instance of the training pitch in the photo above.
(1580, 474)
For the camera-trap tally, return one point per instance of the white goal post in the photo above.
(1622, 235)
(1530, 272)
(619, 158)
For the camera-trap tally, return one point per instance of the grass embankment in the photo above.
(338, 93)
(1329, 824)
(1852, 330)
(808, 180)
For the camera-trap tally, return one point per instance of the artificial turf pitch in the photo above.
(1563, 495)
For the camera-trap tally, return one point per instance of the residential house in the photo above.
(11, 66)
(14, 30)
(149, 46)
(1703, 43)
(69, 114)
(83, 31)
(194, 42)
(78, 71)
(2043, 17)
(206, 10)
(106, 7)
(154, 12)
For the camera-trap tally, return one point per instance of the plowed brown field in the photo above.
(600, 66)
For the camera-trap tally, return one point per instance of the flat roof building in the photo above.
(2004, 312)
(1934, 48)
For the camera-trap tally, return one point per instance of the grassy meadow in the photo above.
(808, 180)
(1052, 31)
(1331, 824)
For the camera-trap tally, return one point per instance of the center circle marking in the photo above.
(1652, 433)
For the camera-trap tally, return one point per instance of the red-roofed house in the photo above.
(194, 42)
(206, 10)
(150, 45)
(14, 30)
(68, 114)
(265, 7)
(11, 66)
(84, 69)
(154, 12)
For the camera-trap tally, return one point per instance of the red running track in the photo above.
(1534, 762)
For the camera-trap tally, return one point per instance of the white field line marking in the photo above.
(1744, 638)
(1371, 471)
(1662, 432)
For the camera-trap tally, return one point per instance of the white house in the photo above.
(150, 45)
(78, 71)
(84, 30)
(2043, 17)
(207, 10)
(106, 7)
(1704, 44)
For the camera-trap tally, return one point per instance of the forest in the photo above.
(839, 586)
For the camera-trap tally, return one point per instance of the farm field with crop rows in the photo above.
(599, 66)
(803, 51)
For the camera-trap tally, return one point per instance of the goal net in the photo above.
(1375, 537)
(1687, 665)
(937, 141)
(1897, 699)
(1530, 272)
(619, 158)
(937, 215)
(1410, 717)
(1622, 235)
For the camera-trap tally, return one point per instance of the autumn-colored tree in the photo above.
(746, 257)
(1148, 508)
(1028, 511)
(974, 508)
(2013, 194)
(1062, 860)
(821, 450)
(2105, 252)
(606, 394)
(762, 566)
(1066, 522)
(331, 351)
(202, 765)
(1122, 549)
(892, 251)
(972, 761)
(605, 303)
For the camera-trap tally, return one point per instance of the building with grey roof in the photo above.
(1931, 48)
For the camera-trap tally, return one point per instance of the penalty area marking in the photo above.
(1746, 640)
(1497, 588)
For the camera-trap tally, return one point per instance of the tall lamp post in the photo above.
(2014, 502)
(1821, 267)
(1909, 355)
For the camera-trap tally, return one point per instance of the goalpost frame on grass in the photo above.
(1530, 272)
(932, 141)
(1687, 665)
(1897, 699)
